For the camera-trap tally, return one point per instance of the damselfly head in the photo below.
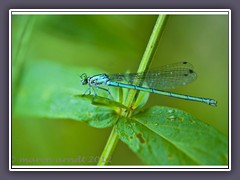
(84, 79)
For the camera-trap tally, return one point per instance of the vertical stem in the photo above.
(21, 49)
(144, 65)
(148, 55)
(109, 148)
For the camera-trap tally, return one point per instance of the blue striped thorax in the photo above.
(96, 80)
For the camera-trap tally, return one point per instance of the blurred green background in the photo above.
(116, 43)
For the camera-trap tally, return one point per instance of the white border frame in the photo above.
(119, 11)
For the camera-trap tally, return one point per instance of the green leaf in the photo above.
(102, 101)
(166, 136)
(51, 90)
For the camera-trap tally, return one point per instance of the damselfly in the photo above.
(165, 77)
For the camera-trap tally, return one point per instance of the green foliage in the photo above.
(159, 135)
(167, 136)
(48, 90)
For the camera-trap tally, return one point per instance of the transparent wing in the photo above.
(165, 77)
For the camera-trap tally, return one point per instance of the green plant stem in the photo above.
(20, 54)
(144, 65)
(148, 56)
(109, 148)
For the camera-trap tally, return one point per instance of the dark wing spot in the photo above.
(190, 71)
(185, 74)
(185, 62)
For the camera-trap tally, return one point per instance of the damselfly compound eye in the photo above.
(84, 79)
